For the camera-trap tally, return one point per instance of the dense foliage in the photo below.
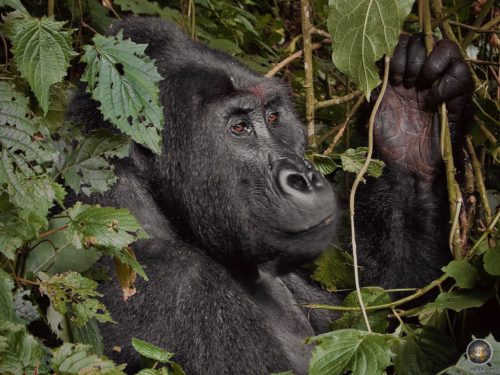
(49, 305)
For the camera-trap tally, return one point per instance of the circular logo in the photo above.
(479, 352)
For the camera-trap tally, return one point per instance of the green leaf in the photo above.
(334, 269)
(372, 296)
(87, 168)
(72, 293)
(108, 229)
(324, 164)
(14, 4)
(353, 160)
(462, 300)
(14, 109)
(125, 81)
(225, 45)
(7, 312)
(88, 334)
(20, 353)
(151, 351)
(359, 352)
(57, 252)
(71, 359)
(148, 7)
(424, 351)
(363, 32)
(491, 261)
(463, 272)
(17, 227)
(42, 52)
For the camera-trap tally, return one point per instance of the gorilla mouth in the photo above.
(322, 223)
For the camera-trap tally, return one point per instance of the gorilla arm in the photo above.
(402, 218)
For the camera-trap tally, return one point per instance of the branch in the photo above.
(471, 35)
(338, 100)
(478, 179)
(308, 69)
(294, 57)
(485, 29)
(342, 129)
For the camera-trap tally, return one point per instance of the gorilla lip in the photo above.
(324, 222)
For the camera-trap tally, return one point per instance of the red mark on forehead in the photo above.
(258, 91)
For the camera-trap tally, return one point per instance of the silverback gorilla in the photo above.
(234, 209)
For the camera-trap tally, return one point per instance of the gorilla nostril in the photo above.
(316, 179)
(298, 182)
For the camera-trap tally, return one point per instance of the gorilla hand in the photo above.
(406, 129)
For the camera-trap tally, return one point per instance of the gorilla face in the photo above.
(244, 188)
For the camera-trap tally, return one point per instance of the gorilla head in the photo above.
(232, 178)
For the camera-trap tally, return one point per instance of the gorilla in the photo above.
(233, 208)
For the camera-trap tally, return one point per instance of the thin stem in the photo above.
(308, 70)
(477, 23)
(358, 179)
(50, 8)
(485, 29)
(342, 129)
(339, 100)
(293, 57)
(52, 231)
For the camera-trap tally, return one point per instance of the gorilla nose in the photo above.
(302, 183)
(295, 182)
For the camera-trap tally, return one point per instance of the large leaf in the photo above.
(42, 52)
(6, 299)
(359, 352)
(124, 80)
(491, 261)
(20, 353)
(76, 295)
(334, 269)
(463, 272)
(362, 32)
(424, 351)
(372, 296)
(87, 167)
(151, 351)
(14, 109)
(14, 4)
(71, 359)
(462, 300)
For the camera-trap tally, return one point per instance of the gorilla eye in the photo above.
(272, 118)
(240, 128)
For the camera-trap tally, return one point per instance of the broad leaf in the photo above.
(72, 293)
(353, 160)
(363, 32)
(6, 299)
(108, 229)
(20, 352)
(372, 296)
(463, 272)
(350, 350)
(14, 109)
(491, 261)
(324, 164)
(42, 52)
(87, 167)
(424, 351)
(124, 80)
(151, 351)
(78, 359)
(334, 269)
(14, 4)
(462, 300)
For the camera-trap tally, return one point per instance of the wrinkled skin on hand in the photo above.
(406, 129)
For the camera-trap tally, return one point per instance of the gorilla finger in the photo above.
(460, 116)
(444, 52)
(415, 58)
(397, 65)
(456, 81)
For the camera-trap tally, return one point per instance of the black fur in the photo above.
(232, 216)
